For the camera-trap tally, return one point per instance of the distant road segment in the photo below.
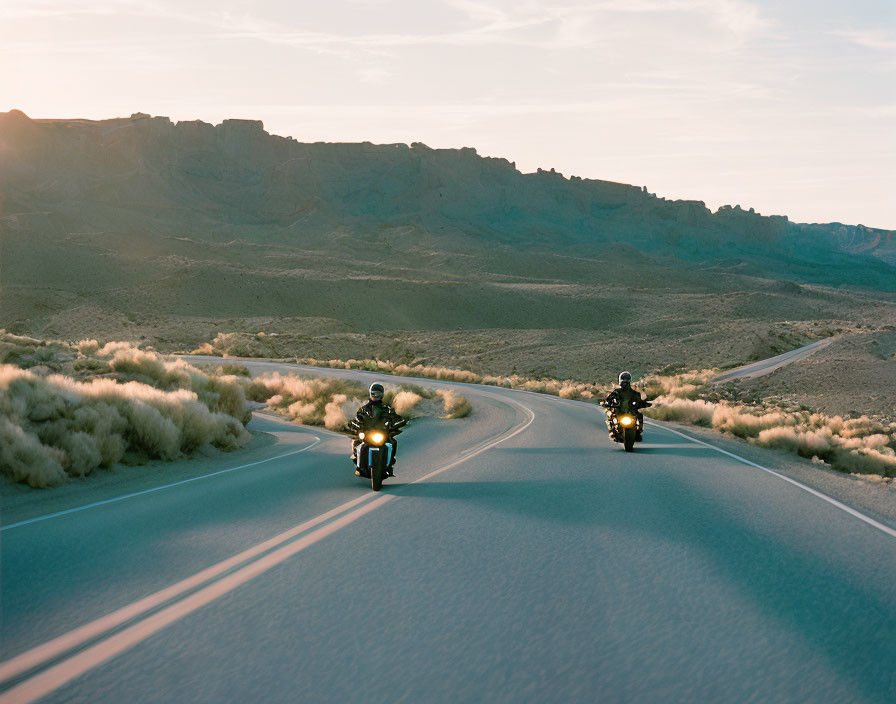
(767, 366)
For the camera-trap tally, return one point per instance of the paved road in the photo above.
(767, 366)
(519, 556)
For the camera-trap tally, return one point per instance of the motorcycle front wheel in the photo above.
(376, 473)
(628, 439)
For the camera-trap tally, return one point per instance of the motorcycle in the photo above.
(624, 427)
(374, 454)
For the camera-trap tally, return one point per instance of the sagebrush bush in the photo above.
(567, 388)
(109, 403)
(54, 427)
(331, 401)
(861, 445)
(455, 405)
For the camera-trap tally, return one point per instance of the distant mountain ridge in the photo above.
(236, 174)
(140, 217)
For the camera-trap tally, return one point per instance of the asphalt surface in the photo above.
(518, 556)
(767, 366)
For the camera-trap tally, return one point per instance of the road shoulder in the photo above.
(19, 502)
(875, 499)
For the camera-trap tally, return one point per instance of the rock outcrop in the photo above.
(147, 179)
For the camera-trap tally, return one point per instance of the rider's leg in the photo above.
(394, 444)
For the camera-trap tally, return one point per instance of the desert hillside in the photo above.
(143, 229)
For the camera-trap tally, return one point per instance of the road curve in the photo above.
(767, 366)
(518, 556)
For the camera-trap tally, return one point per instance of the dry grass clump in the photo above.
(404, 402)
(106, 404)
(411, 401)
(456, 405)
(309, 401)
(690, 385)
(330, 402)
(28, 352)
(861, 445)
(55, 427)
(238, 344)
(567, 388)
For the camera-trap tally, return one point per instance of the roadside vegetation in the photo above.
(332, 402)
(564, 389)
(67, 410)
(862, 445)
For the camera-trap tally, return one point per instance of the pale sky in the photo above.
(788, 106)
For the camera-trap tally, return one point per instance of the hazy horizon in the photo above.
(785, 107)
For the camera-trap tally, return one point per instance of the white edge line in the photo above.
(53, 678)
(317, 440)
(858, 514)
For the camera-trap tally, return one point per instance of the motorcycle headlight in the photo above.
(360, 436)
(626, 420)
(377, 438)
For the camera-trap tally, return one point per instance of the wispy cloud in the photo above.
(870, 39)
(375, 74)
(551, 26)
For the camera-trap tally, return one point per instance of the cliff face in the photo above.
(220, 178)
(140, 214)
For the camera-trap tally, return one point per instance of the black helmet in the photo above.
(377, 391)
(625, 378)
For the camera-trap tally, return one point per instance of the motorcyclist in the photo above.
(372, 414)
(626, 399)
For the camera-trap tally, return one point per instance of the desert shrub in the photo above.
(88, 347)
(309, 401)
(236, 344)
(232, 370)
(566, 389)
(111, 402)
(404, 403)
(455, 405)
(866, 461)
(27, 352)
(331, 401)
(696, 412)
(57, 427)
(862, 445)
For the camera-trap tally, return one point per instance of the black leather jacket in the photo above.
(627, 399)
(376, 413)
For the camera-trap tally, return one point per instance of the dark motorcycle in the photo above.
(374, 453)
(625, 427)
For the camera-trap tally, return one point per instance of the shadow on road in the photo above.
(793, 583)
(676, 450)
